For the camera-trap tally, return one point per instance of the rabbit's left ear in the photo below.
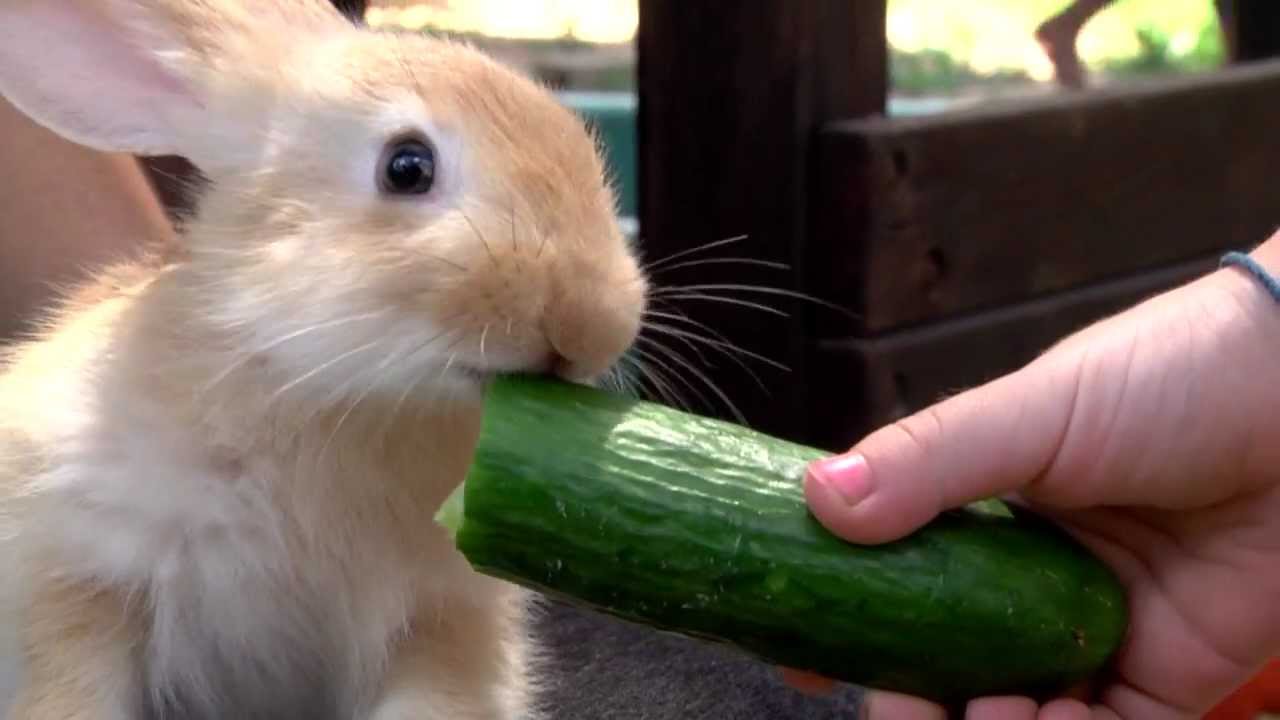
(142, 76)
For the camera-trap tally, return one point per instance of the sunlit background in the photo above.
(938, 46)
(591, 21)
(944, 54)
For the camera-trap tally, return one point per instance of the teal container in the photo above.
(613, 115)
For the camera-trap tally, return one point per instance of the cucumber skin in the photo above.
(700, 527)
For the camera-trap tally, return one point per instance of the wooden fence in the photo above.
(965, 243)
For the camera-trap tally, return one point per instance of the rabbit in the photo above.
(220, 460)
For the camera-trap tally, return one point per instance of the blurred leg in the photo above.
(1058, 36)
(1227, 21)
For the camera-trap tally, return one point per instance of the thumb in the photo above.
(985, 442)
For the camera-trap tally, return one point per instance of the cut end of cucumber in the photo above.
(449, 516)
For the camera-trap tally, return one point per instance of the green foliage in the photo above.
(932, 71)
(1126, 39)
(1156, 54)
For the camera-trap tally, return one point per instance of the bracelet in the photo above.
(1248, 264)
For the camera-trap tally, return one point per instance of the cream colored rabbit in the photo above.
(219, 466)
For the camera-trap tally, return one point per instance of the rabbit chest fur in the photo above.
(271, 562)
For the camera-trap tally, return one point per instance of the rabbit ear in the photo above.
(134, 75)
(83, 71)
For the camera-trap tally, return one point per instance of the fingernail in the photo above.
(849, 475)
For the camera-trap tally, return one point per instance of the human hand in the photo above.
(1153, 438)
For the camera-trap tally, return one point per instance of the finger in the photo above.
(979, 444)
(807, 682)
(881, 705)
(1065, 709)
(1001, 708)
(1129, 702)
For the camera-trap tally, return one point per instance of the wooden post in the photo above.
(1256, 29)
(968, 242)
(731, 96)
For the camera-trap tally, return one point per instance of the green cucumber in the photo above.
(700, 527)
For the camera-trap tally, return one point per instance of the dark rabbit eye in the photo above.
(408, 167)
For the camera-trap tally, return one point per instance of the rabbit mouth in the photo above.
(471, 373)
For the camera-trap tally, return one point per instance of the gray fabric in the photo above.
(607, 669)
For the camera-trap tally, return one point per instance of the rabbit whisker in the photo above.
(542, 245)
(689, 251)
(688, 338)
(674, 289)
(614, 379)
(663, 329)
(395, 409)
(725, 346)
(373, 383)
(408, 67)
(483, 240)
(684, 363)
(720, 299)
(453, 356)
(661, 386)
(514, 244)
(448, 364)
(662, 376)
(450, 263)
(409, 358)
(632, 375)
(725, 261)
(322, 367)
(483, 334)
(678, 316)
(245, 357)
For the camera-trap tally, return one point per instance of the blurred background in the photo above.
(943, 54)
(941, 49)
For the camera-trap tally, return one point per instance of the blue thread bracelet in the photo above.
(1251, 266)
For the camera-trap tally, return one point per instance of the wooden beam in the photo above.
(925, 218)
(872, 382)
(731, 95)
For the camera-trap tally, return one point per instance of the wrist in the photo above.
(1252, 293)
(1268, 254)
(1271, 245)
(1247, 317)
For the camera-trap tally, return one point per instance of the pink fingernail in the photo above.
(849, 475)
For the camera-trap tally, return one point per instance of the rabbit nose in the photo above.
(575, 373)
(586, 342)
(556, 365)
(561, 367)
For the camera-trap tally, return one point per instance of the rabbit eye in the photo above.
(408, 167)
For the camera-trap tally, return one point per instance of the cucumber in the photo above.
(700, 527)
